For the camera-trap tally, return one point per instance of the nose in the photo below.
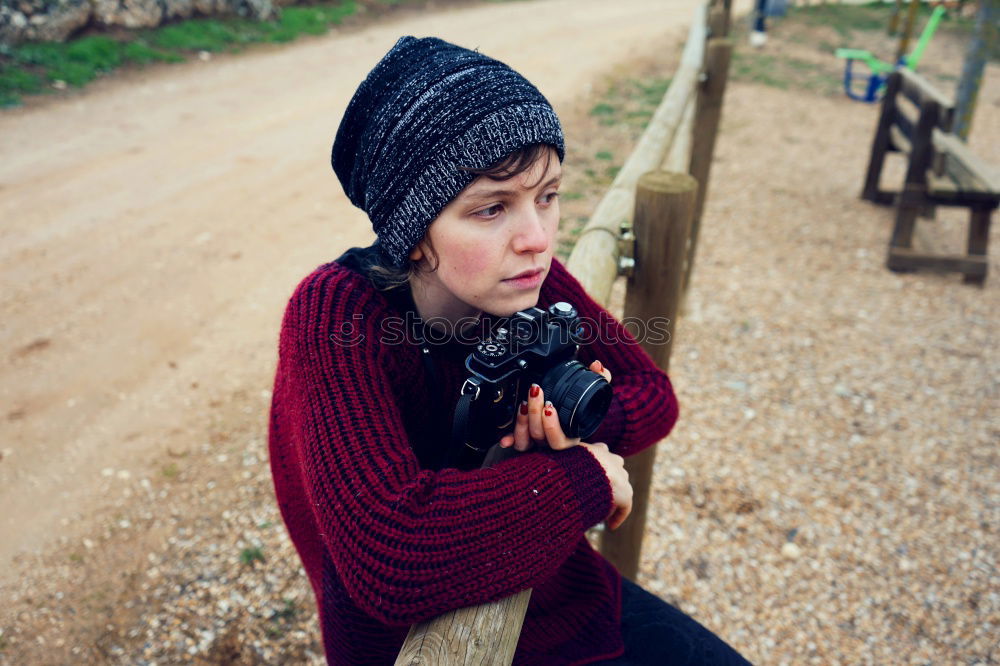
(531, 235)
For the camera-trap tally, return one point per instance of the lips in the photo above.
(526, 274)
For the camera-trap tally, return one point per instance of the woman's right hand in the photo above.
(621, 489)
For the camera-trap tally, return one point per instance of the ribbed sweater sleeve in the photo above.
(644, 407)
(410, 543)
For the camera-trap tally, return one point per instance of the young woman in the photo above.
(457, 160)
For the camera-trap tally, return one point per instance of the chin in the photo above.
(522, 303)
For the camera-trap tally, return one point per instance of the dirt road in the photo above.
(153, 226)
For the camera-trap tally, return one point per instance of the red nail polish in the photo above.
(524, 408)
(548, 412)
(534, 390)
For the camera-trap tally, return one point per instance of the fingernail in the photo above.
(524, 407)
(600, 366)
(535, 388)
(548, 409)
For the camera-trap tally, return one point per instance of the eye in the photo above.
(549, 198)
(488, 213)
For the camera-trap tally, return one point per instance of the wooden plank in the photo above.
(905, 259)
(903, 124)
(899, 140)
(968, 170)
(945, 191)
(919, 90)
(921, 147)
(979, 236)
(679, 157)
(482, 635)
(882, 142)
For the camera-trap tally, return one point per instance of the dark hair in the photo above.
(387, 276)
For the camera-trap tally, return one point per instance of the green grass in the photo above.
(852, 26)
(848, 19)
(605, 155)
(784, 72)
(251, 555)
(32, 68)
(603, 109)
(844, 19)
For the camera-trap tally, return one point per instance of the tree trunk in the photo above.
(984, 39)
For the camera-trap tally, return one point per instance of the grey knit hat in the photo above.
(428, 109)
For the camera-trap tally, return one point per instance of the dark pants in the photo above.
(657, 633)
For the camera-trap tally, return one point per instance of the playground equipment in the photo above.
(941, 171)
(879, 70)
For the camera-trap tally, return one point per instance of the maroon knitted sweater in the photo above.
(386, 541)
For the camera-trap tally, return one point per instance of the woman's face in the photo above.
(490, 236)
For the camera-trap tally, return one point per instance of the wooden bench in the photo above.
(941, 171)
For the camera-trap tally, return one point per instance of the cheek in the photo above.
(471, 260)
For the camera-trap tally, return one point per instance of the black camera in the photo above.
(531, 346)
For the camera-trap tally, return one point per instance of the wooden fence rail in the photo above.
(655, 195)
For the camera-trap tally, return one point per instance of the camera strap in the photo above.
(459, 429)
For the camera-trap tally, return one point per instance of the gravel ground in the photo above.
(830, 495)
(832, 488)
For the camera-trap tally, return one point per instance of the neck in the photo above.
(441, 311)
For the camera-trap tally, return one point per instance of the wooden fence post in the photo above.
(484, 635)
(708, 112)
(718, 23)
(664, 203)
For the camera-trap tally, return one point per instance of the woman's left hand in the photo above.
(537, 420)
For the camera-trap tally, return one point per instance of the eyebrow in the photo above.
(501, 192)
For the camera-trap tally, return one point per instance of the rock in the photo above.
(791, 551)
(56, 20)
(255, 9)
(127, 13)
(51, 20)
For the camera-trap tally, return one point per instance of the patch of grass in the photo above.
(784, 72)
(14, 82)
(604, 155)
(848, 19)
(171, 471)
(142, 54)
(24, 69)
(251, 555)
(642, 115)
(652, 92)
(844, 19)
(287, 612)
(571, 196)
(76, 558)
(208, 34)
(603, 109)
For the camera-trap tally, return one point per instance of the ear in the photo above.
(417, 253)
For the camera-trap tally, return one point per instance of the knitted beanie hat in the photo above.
(428, 109)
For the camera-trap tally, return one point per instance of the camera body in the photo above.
(534, 346)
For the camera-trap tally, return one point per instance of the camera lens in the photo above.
(581, 397)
